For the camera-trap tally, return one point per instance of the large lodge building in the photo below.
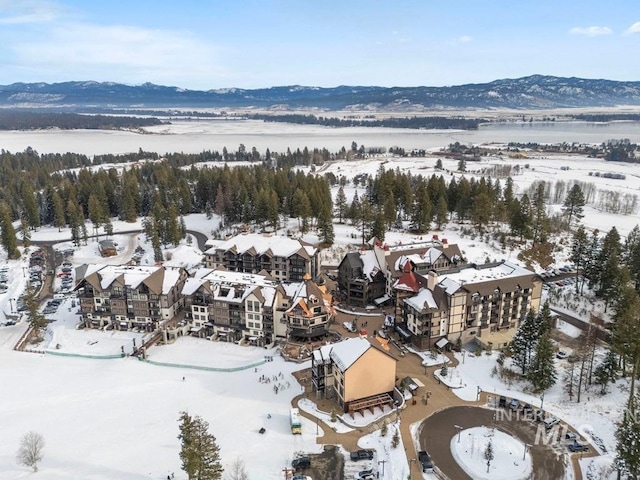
(257, 289)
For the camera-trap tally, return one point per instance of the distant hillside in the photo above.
(536, 91)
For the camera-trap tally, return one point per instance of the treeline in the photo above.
(606, 117)
(27, 120)
(442, 123)
(243, 194)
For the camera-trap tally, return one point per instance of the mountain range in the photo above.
(532, 92)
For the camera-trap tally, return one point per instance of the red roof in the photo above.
(409, 280)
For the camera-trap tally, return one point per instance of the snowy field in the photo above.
(510, 462)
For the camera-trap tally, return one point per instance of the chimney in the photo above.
(432, 280)
(435, 237)
(445, 243)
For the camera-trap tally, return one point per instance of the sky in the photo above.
(210, 44)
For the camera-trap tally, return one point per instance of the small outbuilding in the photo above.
(107, 248)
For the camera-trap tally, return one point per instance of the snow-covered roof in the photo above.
(276, 245)
(345, 353)
(370, 267)
(192, 285)
(424, 299)
(429, 257)
(171, 277)
(468, 277)
(133, 275)
(503, 270)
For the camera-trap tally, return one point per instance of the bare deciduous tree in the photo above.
(30, 451)
(236, 471)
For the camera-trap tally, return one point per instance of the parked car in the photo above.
(578, 447)
(514, 404)
(502, 403)
(571, 436)
(366, 473)
(562, 354)
(362, 455)
(425, 461)
(549, 422)
(301, 462)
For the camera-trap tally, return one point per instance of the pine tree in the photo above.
(522, 345)
(199, 452)
(378, 229)
(9, 241)
(441, 212)
(628, 438)
(606, 372)
(542, 371)
(36, 319)
(631, 255)
(625, 332)
(58, 210)
(574, 204)
(341, 203)
(444, 370)
(609, 260)
(579, 255)
(488, 454)
(462, 165)
(540, 223)
(422, 210)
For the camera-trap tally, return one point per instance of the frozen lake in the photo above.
(196, 136)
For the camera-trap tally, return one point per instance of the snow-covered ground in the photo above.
(595, 417)
(117, 418)
(510, 460)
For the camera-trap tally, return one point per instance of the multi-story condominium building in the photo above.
(125, 297)
(481, 302)
(283, 258)
(310, 309)
(254, 308)
(232, 306)
(358, 375)
(368, 276)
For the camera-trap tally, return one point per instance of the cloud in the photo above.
(635, 28)
(592, 31)
(28, 11)
(464, 39)
(122, 53)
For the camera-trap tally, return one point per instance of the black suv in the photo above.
(362, 455)
(425, 461)
(578, 447)
(301, 462)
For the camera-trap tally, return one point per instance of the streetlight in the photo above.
(459, 430)
(478, 393)
(542, 401)
(382, 462)
(11, 302)
(316, 425)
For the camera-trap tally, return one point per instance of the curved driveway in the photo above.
(437, 431)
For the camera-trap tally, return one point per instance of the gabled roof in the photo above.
(159, 280)
(345, 353)
(259, 244)
(408, 282)
(424, 300)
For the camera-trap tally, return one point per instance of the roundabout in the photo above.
(456, 440)
(509, 457)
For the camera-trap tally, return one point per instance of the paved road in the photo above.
(438, 430)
